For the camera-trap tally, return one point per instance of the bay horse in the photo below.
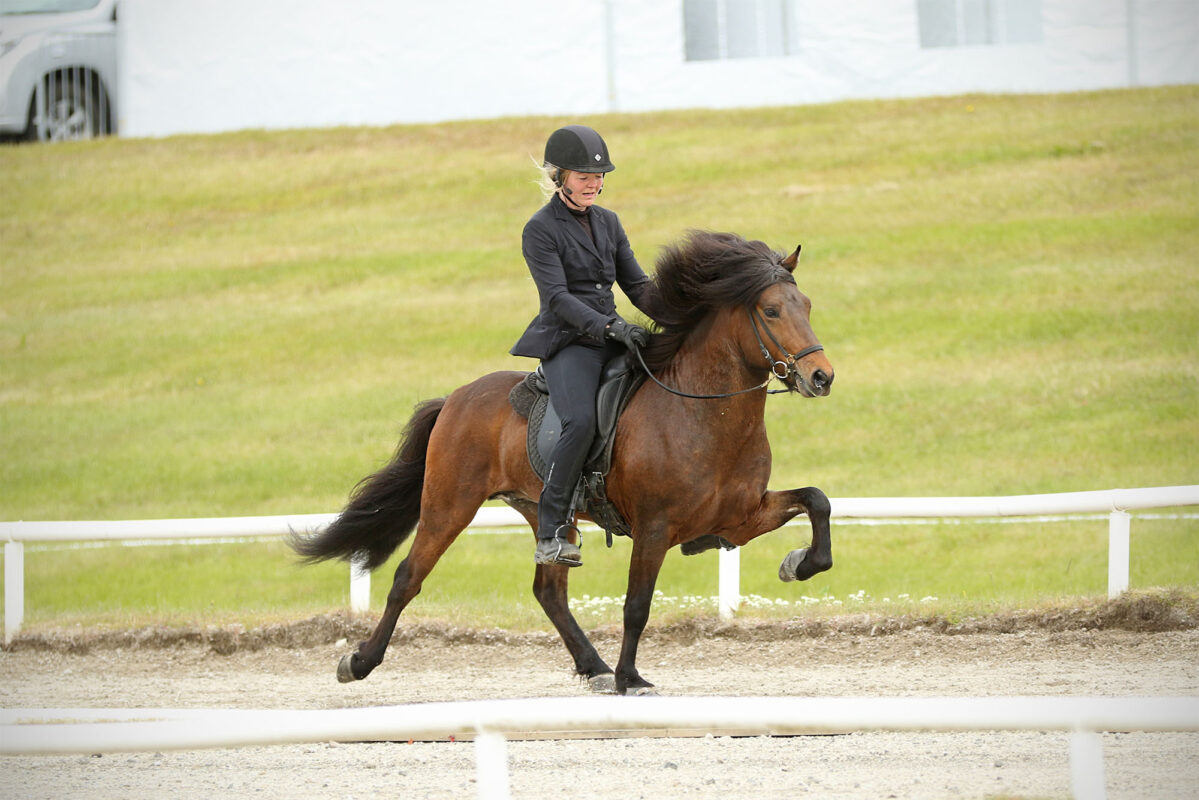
(690, 460)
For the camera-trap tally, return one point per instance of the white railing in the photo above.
(1114, 502)
(69, 731)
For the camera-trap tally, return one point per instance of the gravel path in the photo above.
(867, 765)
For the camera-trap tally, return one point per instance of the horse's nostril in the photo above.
(820, 379)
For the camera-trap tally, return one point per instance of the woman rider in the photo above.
(575, 251)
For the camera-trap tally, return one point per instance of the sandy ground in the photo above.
(432, 666)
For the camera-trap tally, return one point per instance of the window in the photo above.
(716, 29)
(959, 23)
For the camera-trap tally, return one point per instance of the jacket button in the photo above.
(599, 286)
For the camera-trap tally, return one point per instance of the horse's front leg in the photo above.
(776, 509)
(646, 562)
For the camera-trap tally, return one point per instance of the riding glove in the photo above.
(626, 333)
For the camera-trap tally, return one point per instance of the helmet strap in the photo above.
(565, 194)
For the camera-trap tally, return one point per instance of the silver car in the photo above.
(58, 67)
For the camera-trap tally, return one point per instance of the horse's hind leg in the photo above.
(549, 587)
(427, 548)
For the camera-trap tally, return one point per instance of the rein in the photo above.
(787, 366)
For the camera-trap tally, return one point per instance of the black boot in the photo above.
(553, 522)
(558, 550)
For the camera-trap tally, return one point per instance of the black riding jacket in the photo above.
(574, 277)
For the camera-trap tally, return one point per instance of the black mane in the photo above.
(703, 273)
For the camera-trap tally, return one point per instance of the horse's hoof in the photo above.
(790, 565)
(602, 684)
(642, 691)
(345, 674)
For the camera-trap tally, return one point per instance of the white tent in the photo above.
(219, 65)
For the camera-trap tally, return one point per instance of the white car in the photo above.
(58, 67)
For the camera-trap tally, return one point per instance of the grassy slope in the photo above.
(239, 324)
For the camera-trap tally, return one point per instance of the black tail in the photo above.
(384, 507)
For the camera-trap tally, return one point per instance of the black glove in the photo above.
(626, 333)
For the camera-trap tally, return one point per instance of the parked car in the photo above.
(58, 68)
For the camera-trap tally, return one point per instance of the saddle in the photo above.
(530, 398)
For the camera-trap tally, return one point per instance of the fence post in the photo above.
(1086, 766)
(360, 588)
(729, 581)
(14, 589)
(1117, 552)
(491, 765)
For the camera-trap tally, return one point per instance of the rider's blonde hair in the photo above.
(545, 180)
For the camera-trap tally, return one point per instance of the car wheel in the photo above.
(75, 107)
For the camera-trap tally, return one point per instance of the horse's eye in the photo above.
(770, 312)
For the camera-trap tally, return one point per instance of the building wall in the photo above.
(188, 67)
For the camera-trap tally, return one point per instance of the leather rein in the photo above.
(781, 369)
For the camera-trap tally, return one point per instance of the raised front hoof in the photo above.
(602, 684)
(799, 565)
(345, 670)
(791, 562)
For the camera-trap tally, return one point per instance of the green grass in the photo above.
(485, 580)
(240, 324)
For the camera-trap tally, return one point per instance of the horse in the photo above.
(690, 459)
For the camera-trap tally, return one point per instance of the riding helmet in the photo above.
(579, 149)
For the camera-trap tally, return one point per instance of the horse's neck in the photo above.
(710, 362)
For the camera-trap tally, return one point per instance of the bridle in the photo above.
(781, 369)
(788, 365)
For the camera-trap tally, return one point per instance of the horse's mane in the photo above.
(703, 273)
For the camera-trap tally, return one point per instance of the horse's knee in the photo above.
(816, 502)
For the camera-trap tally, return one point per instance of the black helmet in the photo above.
(578, 149)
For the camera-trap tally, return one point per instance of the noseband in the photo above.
(778, 369)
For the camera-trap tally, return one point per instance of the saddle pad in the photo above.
(530, 399)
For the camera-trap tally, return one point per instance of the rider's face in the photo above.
(584, 187)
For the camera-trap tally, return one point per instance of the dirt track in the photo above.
(432, 665)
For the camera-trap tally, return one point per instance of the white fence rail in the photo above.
(61, 731)
(1114, 502)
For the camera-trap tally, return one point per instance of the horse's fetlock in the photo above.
(813, 564)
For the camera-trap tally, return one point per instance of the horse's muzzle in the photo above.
(817, 383)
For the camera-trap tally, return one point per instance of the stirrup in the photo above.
(558, 551)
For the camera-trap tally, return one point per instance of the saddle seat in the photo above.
(530, 398)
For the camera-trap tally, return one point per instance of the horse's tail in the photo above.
(384, 507)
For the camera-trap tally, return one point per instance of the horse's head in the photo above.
(781, 321)
(721, 277)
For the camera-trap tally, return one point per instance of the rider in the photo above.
(575, 251)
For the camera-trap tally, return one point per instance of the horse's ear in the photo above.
(791, 261)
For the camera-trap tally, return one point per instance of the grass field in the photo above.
(240, 324)
(485, 580)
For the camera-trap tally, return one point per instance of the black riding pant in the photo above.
(573, 375)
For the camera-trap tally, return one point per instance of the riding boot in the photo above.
(554, 522)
